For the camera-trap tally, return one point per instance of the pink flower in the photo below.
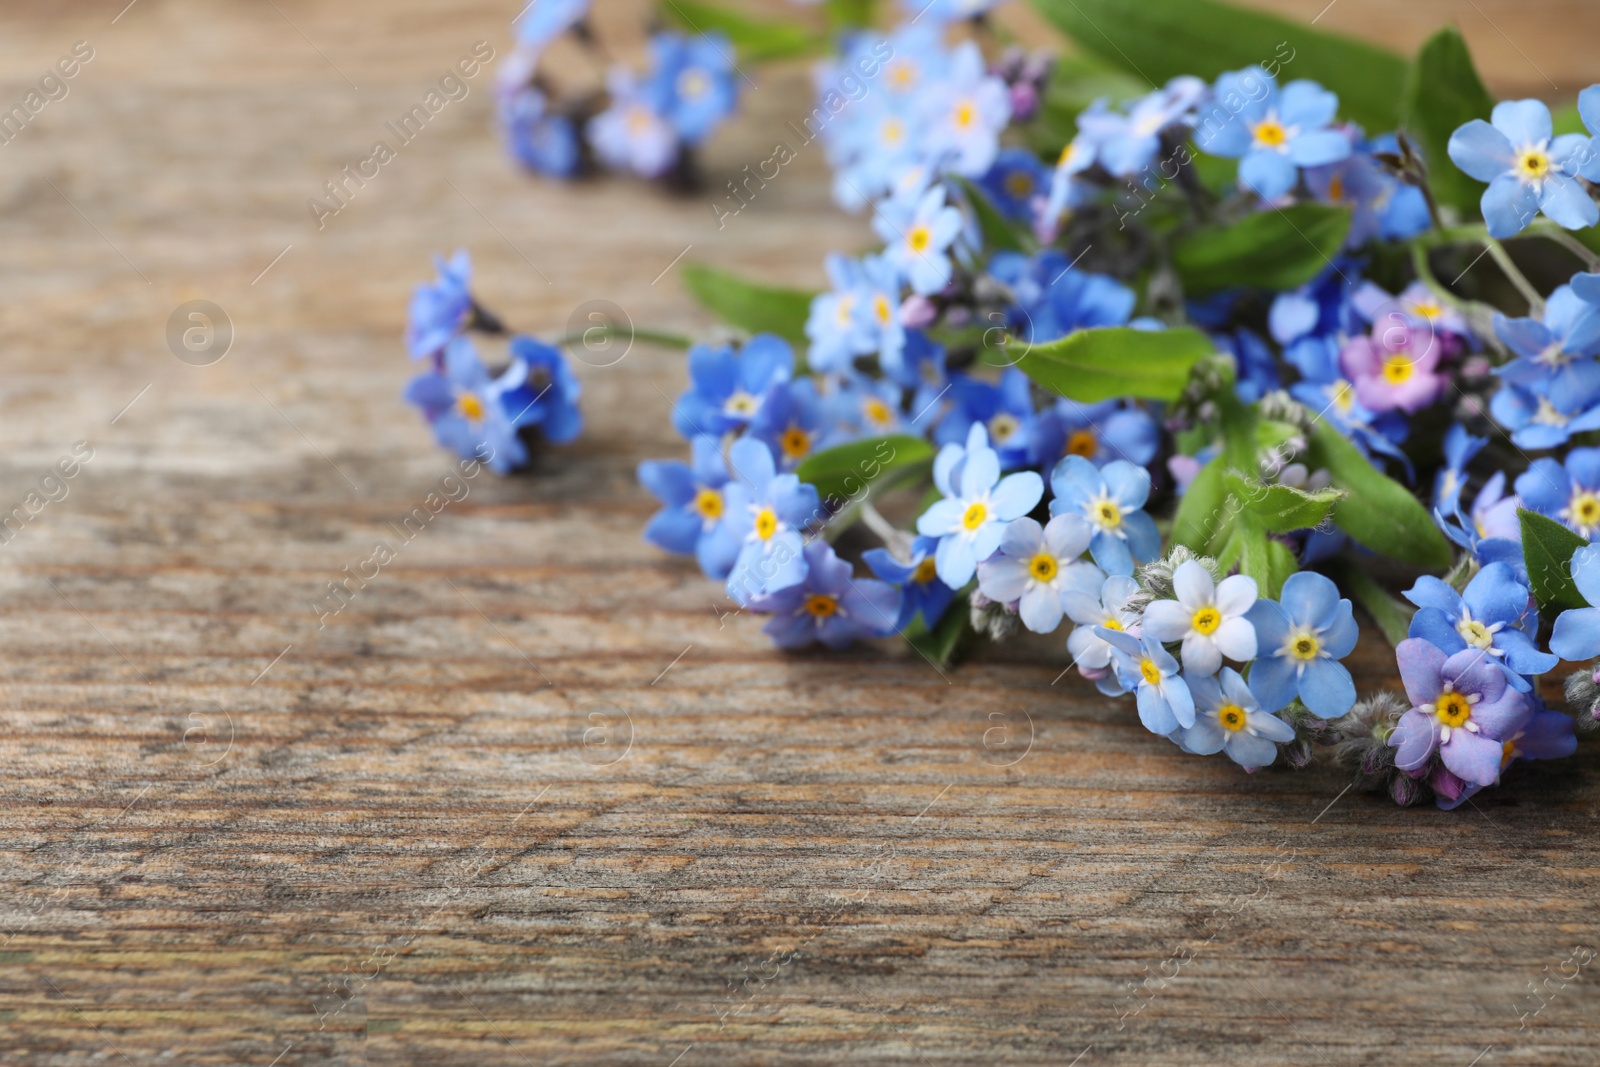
(1394, 368)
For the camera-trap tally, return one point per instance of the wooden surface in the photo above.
(529, 799)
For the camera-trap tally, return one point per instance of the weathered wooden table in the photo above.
(528, 798)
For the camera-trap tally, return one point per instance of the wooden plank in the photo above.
(529, 798)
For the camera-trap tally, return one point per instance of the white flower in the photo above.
(1208, 618)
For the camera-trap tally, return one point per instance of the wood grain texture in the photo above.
(530, 798)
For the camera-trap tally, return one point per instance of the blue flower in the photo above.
(1211, 619)
(440, 309)
(1127, 144)
(1541, 415)
(633, 133)
(1301, 638)
(1528, 170)
(950, 10)
(921, 368)
(1100, 433)
(1016, 180)
(1165, 702)
(544, 20)
(1005, 411)
(964, 112)
(691, 521)
(1569, 494)
(1111, 499)
(1491, 530)
(1459, 448)
(1272, 134)
(865, 407)
(726, 389)
(539, 389)
(696, 78)
(1053, 299)
(1068, 186)
(859, 316)
(793, 421)
(539, 139)
(919, 235)
(1577, 632)
(1489, 615)
(978, 505)
(1557, 349)
(766, 512)
(1037, 567)
(1380, 204)
(1228, 719)
(1106, 607)
(464, 406)
(918, 579)
(828, 605)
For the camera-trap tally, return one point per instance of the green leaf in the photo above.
(1161, 39)
(1547, 548)
(850, 14)
(999, 233)
(943, 642)
(1102, 364)
(844, 471)
(1377, 511)
(1281, 508)
(756, 40)
(1443, 91)
(1393, 616)
(1279, 249)
(1202, 509)
(751, 307)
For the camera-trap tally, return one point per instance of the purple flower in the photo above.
(1394, 368)
(829, 605)
(1461, 709)
(1489, 615)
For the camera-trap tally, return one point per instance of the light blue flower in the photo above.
(1069, 188)
(1016, 180)
(978, 505)
(793, 421)
(1037, 567)
(1272, 133)
(696, 78)
(859, 316)
(1111, 499)
(964, 113)
(1527, 169)
(1568, 493)
(1459, 449)
(542, 21)
(919, 234)
(537, 137)
(766, 515)
(464, 405)
(1301, 637)
(1577, 633)
(1489, 615)
(1558, 348)
(1127, 144)
(690, 522)
(1163, 696)
(1106, 607)
(917, 579)
(1210, 618)
(829, 606)
(633, 133)
(1542, 415)
(726, 389)
(1228, 719)
(440, 309)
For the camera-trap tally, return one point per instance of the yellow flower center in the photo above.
(1082, 443)
(901, 75)
(1427, 309)
(766, 523)
(1508, 752)
(1232, 717)
(1112, 624)
(1002, 428)
(1043, 567)
(893, 132)
(926, 571)
(1019, 183)
(1398, 369)
(795, 442)
(1344, 395)
(1475, 633)
(1106, 513)
(877, 412)
(821, 605)
(693, 83)
(1336, 189)
(470, 406)
(966, 115)
(975, 515)
(1452, 709)
(1151, 673)
(741, 403)
(1304, 646)
(919, 239)
(1206, 621)
(882, 309)
(708, 502)
(1585, 508)
(1068, 154)
(1533, 165)
(1269, 133)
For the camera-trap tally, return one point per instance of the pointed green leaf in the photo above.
(1547, 548)
(1377, 511)
(756, 308)
(1103, 364)
(1281, 508)
(1202, 512)
(756, 40)
(845, 471)
(1281, 248)
(1443, 92)
(1161, 39)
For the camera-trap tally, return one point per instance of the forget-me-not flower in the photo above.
(978, 505)
(1528, 170)
(690, 522)
(919, 233)
(1208, 617)
(1489, 615)
(1569, 492)
(765, 513)
(726, 388)
(1461, 708)
(1300, 639)
(1272, 132)
(1037, 567)
(917, 578)
(1577, 633)
(1106, 607)
(1111, 499)
(1163, 696)
(829, 605)
(1228, 719)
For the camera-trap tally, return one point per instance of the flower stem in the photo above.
(1552, 232)
(1392, 617)
(649, 337)
(1502, 258)
(1480, 317)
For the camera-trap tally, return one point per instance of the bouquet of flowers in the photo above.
(1181, 375)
